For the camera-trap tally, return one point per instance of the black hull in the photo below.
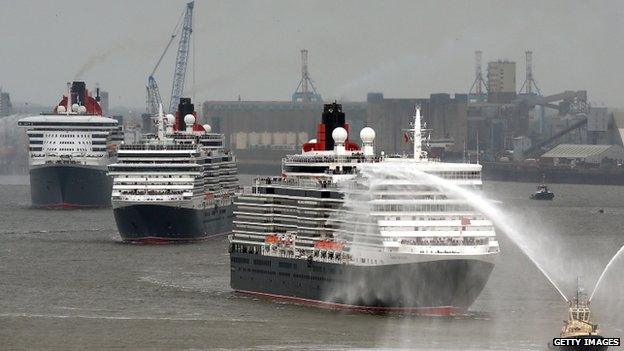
(159, 223)
(67, 186)
(437, 287)
(543, 196)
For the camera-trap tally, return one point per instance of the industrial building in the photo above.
(501, 78)
(506, 123)
(495, 121)
(262, 132)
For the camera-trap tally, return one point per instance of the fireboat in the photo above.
(579, 326)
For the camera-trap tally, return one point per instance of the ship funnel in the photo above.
(78, 92)
(333, 117)
(184, 108)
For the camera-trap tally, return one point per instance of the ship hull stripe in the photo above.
(425, 311)
(166, 240)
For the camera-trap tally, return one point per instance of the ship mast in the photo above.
(69, 98)
(417, 135)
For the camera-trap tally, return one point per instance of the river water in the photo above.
(67, 282)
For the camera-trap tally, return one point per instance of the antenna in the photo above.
(417, 135)
(529, 81)
(478, 88)
(69, 97)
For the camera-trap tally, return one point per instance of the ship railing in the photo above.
(440, 249)
(156, 147)
(141, 192)
(297, 182)
(352, 158)
(148, 198)
(342, 258)
(447, 241)
(211, 136)
(65, 161)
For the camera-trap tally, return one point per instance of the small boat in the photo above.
(579, 326)
(542, 192)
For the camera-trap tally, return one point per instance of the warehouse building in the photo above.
(576, 154)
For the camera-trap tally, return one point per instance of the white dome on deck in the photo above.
(170, 119)
(367, 135)
(75, 107)
(189, 119)
(339, 135)
(207, 128)
(61, 109)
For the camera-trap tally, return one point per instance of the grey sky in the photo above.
(402, 48)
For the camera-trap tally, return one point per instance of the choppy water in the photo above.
(66, 282)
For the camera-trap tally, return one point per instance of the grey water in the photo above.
(67, 282)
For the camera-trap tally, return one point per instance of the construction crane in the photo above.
(185, 26)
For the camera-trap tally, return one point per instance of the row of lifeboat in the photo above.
(289, 240)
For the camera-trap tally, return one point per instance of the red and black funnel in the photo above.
(333, 117)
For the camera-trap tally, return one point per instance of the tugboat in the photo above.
(542, 192)
(579, 326)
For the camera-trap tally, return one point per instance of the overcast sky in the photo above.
(401, 48)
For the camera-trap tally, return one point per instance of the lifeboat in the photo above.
(329, 245)
(271, 239)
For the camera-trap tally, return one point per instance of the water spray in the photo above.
(604, 272)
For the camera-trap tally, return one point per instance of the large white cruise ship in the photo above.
(69, 151)
(176, 186)
(346, 228)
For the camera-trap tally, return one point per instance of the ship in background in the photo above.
(177, 185)
(405, 246)
(69, 150)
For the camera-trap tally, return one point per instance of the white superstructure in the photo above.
(74, 138)
(187, 169)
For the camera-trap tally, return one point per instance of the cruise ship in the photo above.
(177, 185)
(69, 150)
(343, 227)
